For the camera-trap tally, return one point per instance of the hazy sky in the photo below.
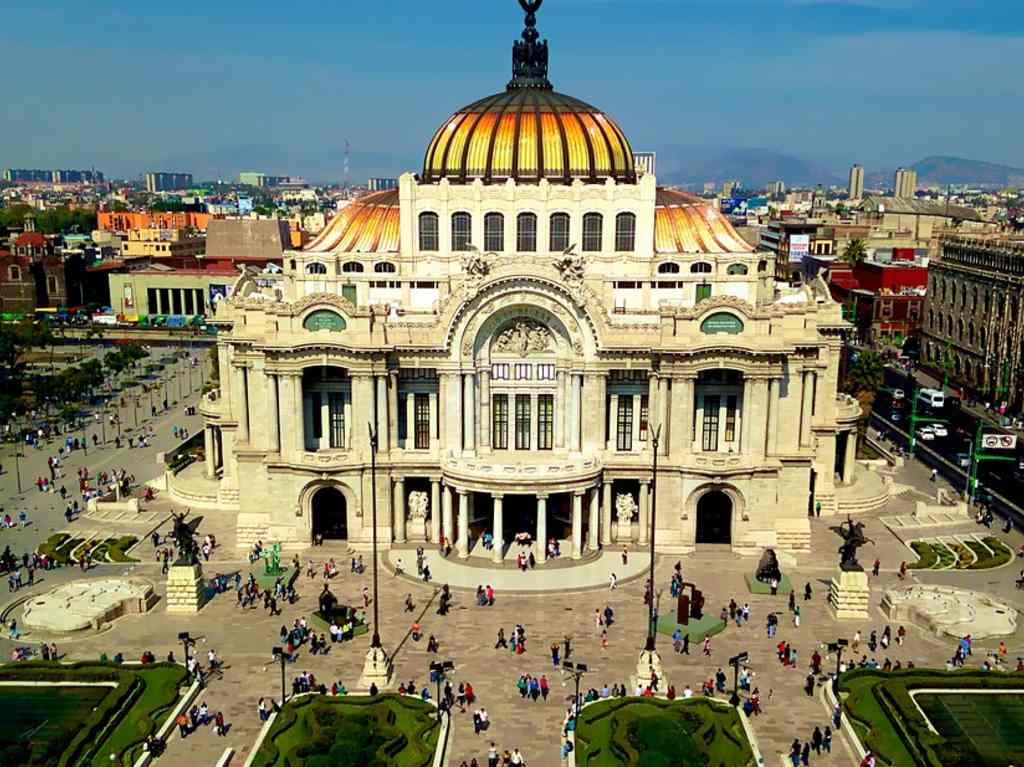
(230, 85)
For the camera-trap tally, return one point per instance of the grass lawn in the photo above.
(661, 733)
(706, 626)
(757, 587)
(982, 730)
(92, 723)
(323, 731)
(928, 557)
(66, 550)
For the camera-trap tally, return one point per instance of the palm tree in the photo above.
(856, 253)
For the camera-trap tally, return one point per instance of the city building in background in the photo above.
(25, 175)
(776, 188)
(123, 222)
(791, 241)
(974, 316)
(515, 345)
(913, 222)
(381, 184)
(253, 178)
(905, 183)
(856, 186)
(157, 181)
(162, 243)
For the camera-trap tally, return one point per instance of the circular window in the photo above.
(324, 320)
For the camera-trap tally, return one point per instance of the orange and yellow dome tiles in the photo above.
(528, 134)
(369, 224)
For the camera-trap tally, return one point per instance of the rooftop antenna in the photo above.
(347, 155)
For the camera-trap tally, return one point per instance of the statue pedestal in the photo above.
(184, 589)
(849, 595)
(648, 661)
(417, 529)
(376, 669)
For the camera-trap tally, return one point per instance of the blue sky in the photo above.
(218, 87)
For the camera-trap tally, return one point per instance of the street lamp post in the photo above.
(735, 662)
(186, 642)
(577, 670)
(837, 647)
(438, 670)
(377, 667)
(17, 463)
(282, 657)
(651, 627)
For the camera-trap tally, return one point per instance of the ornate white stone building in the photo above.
(516, 323)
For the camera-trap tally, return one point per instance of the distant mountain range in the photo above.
(756, 168)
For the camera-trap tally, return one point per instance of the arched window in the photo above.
(558, 238)
(15, 273)
(352, 267)
(494, 232)
(701, 267)
(429, 239)
(384, 267)
(526, 233)
(942, 291)
(668, 268)
(462, 231)
(316, 268)
(960, 328)
(762, 266)
(593, 223)
(982, 337)
(931, 318)
(625, 232)
(736, 269)
(974, 297)
(970, 332)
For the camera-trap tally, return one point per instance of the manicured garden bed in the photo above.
(67, 550)
(659, 733)
(969, 554)
(885, 717)
(89, 725)
(323, 731)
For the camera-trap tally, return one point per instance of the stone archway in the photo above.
(329, 513)
(714, 518)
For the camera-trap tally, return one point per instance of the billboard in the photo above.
(799, 247)
(999, 441)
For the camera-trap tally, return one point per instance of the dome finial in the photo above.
(530, 57)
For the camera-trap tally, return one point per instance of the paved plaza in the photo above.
(550, 603)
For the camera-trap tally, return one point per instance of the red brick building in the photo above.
(884, 300)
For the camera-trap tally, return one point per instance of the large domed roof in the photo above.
(529, 132)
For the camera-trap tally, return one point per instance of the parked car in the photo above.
(940, 430)
(963, 460)
(927, 433)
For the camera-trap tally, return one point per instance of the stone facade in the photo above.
(972, 324)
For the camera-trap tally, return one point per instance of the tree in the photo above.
(863, 379)
(856, 253)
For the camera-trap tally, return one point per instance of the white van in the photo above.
(933, 398)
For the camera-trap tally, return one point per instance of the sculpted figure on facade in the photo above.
(419, 505)
(625, 508)
(524, 337)
(571, 266)
(474, 265)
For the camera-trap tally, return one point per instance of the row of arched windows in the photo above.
(352, 267)
(526, 232)
(964, 331)
(703, 267)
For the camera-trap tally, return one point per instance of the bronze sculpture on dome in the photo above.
(529, 56)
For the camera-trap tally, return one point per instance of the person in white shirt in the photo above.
(687, 692)
(517, 758)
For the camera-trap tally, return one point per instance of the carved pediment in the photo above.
(318, 300)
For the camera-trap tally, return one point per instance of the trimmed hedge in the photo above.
(150, 692)
(891, 725)
(927, 556)
(319, 730)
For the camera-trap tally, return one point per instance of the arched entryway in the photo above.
(330, 514)
(714, 518)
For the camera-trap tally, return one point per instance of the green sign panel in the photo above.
(324, 320)
(722, 322)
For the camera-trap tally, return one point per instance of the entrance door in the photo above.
(714, 518)
(330, 518)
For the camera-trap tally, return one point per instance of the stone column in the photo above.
(850, 459)
(681, 428)
(399, 508)
(298, 415)
(242, 403)
(606, 513)
(653, 411)
(435, 510)
(534, 420)
(577, 524)
(362, 406)
(499, 529)
(469, 412)
(806, 405)
(663, 435)
(274, 400)
(452, 411)
(593, 521)
(613, 428)
(560, 411)
(773, 416)
(381, 403)
(462, 539)
(447, 521)
(346, 403)
(747, 414)
(575, 425)
(759, 426)
(542, 528)
(594, 415)
(211, 468)
(410, 420)
(392, 419)
(644, 520)
(325, 420)
(636, 421)
(432, 406)
(485, 408)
